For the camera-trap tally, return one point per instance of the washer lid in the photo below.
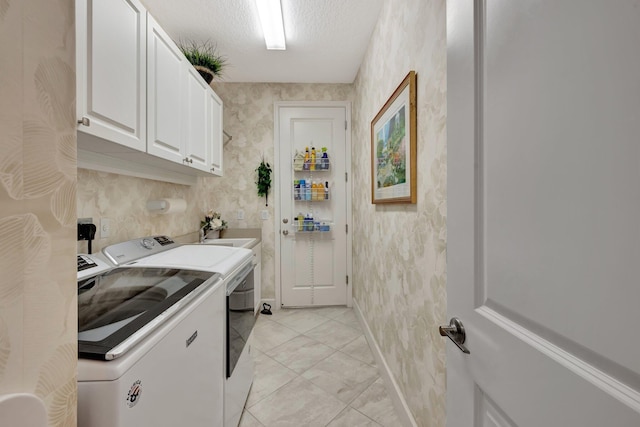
(121, 307)
(219, 259)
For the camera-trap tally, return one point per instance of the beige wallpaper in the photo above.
(248, 117)
(38, 349)
(399, 281)
(123, 200)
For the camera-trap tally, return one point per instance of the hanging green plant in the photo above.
(264, 180)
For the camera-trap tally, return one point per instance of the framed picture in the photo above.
(393, 146)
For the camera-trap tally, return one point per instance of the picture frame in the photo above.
(394, 146)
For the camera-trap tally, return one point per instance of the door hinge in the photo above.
(347, 279)
(346, 177)
(346, 228)
(345, 125)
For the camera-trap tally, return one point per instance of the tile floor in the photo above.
(314, 368)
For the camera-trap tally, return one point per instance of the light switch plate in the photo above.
(264, 214)
(105, 227)
(240, 214)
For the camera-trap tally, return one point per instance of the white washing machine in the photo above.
(151, 338)
(236, 268)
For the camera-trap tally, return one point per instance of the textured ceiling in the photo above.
(326, 39)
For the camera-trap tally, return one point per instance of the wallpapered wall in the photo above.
(248, 117)
(400, 250)
(38, 348)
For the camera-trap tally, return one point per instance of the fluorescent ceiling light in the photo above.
(270, 13)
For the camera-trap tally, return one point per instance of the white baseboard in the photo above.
(399, 403)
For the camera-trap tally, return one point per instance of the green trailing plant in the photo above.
(263, 181)
(204, 57)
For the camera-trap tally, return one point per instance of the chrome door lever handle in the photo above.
(455, 332)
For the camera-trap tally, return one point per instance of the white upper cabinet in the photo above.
(215, 134)
(111, 70)
(137, 91)
(166, 81)
(197, 129)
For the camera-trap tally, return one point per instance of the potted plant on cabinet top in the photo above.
(205, 58)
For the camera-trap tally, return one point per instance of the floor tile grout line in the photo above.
(287, 341)
(254, 417)
(278, 388)
(373, 364)
(312, 366)
(365, 415)
(365, 389)
(306, 330)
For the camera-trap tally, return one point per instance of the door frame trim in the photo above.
(276, 188)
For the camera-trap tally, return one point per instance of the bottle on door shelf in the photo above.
(298, 161)
(307, 192)
(300, 221)
(326, 190)
(307, 159)
(324, 161)
(296, 189)
(308, 222)
(312, 165)
(316, 190)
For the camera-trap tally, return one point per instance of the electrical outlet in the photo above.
(240, 214)
(264, 214)
(105, 227)
(85, 220)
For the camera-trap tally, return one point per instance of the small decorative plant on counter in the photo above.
(205, 58)
(212, 222)
(263, 181)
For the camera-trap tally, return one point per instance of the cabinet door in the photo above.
(216, 138)
(165, 86)
(197, 128)
(111, 70)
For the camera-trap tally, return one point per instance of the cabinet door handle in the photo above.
(84, 121)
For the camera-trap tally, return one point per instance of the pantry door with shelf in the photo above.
(314, 247)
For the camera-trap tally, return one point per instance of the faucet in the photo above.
(202, 233)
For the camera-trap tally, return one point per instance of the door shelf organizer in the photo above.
(311, 226)
(321, 165)
(311, 194)
(303, 193)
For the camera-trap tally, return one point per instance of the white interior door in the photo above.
(543, 212)
(313, 254)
